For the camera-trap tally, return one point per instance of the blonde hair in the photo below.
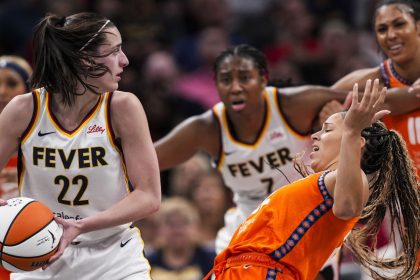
(179, 206)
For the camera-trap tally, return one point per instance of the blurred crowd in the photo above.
(171, 45)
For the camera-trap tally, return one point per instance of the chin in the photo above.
(315, 167)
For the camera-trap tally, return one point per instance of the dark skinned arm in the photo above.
(197, 133)
(302, 104)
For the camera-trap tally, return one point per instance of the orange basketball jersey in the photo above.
(294, 226)
(408, 125)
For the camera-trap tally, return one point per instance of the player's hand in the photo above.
(71, 230)
(415, 88)
(368, 110)
(329, 109)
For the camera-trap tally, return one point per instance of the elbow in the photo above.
(155, 206)
(155, 202)
(346, 211)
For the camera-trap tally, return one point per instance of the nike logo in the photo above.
(229, 153)
(246, 266)
(124, 243)
(40, 134)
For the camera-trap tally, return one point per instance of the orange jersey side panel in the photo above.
(408, 125)
(295, 225)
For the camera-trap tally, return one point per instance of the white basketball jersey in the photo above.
(76, 173)
(253, 171)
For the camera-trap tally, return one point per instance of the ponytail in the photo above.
(395, 188)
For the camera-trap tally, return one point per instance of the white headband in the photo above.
(94, 36)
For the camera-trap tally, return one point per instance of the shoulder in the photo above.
(358, 76)
(205, 124)
(21, 105)
(123, 99)
(18, 113)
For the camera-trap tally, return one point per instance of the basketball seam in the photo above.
(14, 219)
(46, 225)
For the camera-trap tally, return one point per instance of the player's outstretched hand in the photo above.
(363, 113)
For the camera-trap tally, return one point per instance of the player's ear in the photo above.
(362, 142)
(264, 81)
(418, 27)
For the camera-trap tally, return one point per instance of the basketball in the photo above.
(29, 235)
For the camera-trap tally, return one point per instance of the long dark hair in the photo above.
(64, 52)
(394, 188)
(412, 5)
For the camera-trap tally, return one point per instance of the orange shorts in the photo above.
(254, 266)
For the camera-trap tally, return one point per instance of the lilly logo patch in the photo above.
(95, 130)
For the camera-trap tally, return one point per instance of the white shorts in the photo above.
(233, 219)
(117, 257)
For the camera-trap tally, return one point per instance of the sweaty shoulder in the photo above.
(359, 76)
(19, 111)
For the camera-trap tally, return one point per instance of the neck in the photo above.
(247, 126)
(70, 117)
(408, 70)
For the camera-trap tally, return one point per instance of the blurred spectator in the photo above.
(164, 106)
(179, 257)
(199, 84)
(212, 199)
(184, 176)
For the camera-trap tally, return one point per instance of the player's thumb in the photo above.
(348, 100)
(379, 115)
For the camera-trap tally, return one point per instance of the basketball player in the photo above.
(397, 30)
(360, 164)
(252, 135)
(81, 153)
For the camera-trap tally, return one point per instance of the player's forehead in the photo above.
(112, 39)
(237, 63)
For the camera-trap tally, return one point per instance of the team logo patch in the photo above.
(95, 130)
(277, 135)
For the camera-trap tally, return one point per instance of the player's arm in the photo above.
(399, 100)
(197, 133)
(351, 190)
(301, 105)
(14, 120)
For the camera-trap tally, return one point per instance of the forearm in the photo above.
(400, 101)
(349, 191)
(135, 206)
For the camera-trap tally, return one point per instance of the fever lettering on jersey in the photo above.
(83, 157)
(272, 160)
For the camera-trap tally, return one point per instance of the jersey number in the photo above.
(64, 182)
(269, 182)
(413, 127)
